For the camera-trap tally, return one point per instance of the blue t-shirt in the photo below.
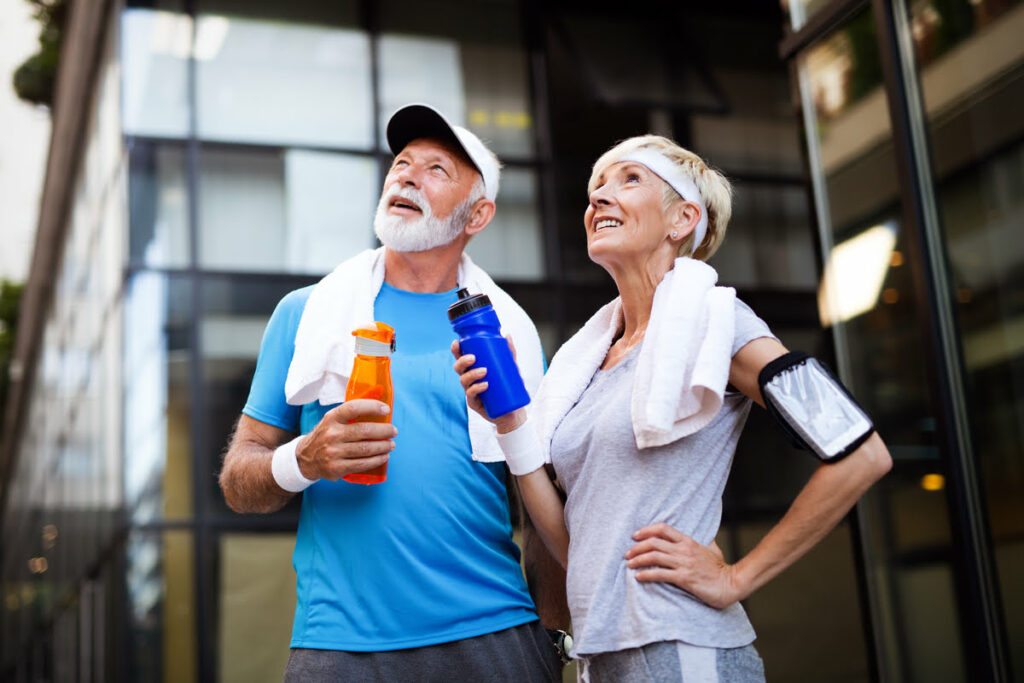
(427, 556)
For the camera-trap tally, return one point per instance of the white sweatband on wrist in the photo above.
(522, 450)
(285, 468)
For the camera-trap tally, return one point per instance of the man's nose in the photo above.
(408, 176)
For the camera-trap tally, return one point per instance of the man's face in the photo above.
(425, 203)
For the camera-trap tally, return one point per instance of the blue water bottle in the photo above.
(479, 332)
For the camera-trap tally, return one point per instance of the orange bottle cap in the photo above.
(376, 331)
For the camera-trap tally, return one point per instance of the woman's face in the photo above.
(624, 218)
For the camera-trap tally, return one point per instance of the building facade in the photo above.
(209, 156)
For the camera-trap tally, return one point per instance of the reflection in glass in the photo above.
(256, 590)
(158, 469)
(481, 87)
(672, 76)
(856, 268)
(414, 69)
(767, 241)
(906, 525)
(293, 211)
(160, 588)
(155, 47)
(510, 247)
(799, 11)
(971, 65)
(282, 83)
(760, 134)
(158, 205)
(235, 313)
(939, 26)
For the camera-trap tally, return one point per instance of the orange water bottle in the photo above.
(371, 378)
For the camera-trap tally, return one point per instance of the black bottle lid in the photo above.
(467, 303)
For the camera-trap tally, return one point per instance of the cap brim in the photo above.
(416, 121)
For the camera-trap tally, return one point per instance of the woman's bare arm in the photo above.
(667, 554)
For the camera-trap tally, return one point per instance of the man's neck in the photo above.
(432, 271)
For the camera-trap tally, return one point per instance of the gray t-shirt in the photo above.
(614, 490)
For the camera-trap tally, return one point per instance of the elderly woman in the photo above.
(639, 416)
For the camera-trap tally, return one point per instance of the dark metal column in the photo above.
(205, 607)
(984, 632)
(534, 23)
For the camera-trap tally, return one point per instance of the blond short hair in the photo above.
(714, 189)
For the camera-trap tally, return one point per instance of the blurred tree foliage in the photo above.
(34, 80)
(10, 300)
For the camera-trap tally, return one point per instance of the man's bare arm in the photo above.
(246, 477)
(340, 444)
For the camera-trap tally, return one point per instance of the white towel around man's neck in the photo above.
(682, 370)
(343, 300)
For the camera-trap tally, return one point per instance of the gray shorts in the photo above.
(672, 662)
(524, 653)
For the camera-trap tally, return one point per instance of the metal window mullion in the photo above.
(804, 31)
(533, 25)
(984, 632)
(203, 600)
(371, 23)
(860, 530)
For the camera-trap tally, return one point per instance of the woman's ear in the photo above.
(480, 216)
(683, 217)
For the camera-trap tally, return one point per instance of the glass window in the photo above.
(661, 71)
(800, 11)
(155, 47)
(768, 473)
(256, 594)
(759, 134)
(475, 71)
(293, 210)
(157, 405)
(866, 298)
(510, 247)
(235, 313)
(419, 69)
(158, 205)
(766, 242)
(280, 82)
(337, 13)
(160, 591)
(973, 96)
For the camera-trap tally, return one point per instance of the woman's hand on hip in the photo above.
(663, 553)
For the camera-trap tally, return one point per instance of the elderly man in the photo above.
(416, 578)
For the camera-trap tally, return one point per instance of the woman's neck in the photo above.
(637, 283)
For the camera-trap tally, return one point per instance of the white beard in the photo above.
(420, 234)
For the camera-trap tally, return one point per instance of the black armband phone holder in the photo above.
(813, 407)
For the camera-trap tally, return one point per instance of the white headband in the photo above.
(680, 182)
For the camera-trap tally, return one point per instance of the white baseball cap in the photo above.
(423, 121)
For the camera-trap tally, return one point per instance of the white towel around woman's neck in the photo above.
(682, 370)
(343, 300)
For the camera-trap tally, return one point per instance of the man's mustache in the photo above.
(405, 192)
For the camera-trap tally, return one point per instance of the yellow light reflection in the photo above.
(855, 273)
(479, 117)
(933, 482)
